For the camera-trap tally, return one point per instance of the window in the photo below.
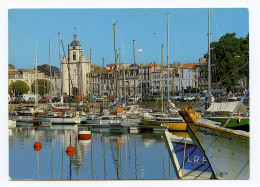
(74, 56)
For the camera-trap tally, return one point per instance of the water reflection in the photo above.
(105, 156)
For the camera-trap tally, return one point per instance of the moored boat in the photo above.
(61, 118)
(227, 150)
(173, 123)
(84, 135)
(104, 120)
(188, 160)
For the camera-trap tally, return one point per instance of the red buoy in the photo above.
(37, 146)
(70, 151)
(84, 135)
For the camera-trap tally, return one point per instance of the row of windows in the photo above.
(39, 76)
(33, 76)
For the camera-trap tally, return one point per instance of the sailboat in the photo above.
(172, 120)
(227, 150)
(111, 119)
(61, 114)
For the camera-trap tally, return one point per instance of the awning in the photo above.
(226, 107)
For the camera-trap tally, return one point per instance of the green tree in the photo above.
(227, 55)
(18, 88)
(43, 87)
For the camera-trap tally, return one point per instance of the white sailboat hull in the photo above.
(227, 153)
(103, 122)
(61, 120)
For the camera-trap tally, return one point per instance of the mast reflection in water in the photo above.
(104, 157)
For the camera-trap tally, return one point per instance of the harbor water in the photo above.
(106, 156)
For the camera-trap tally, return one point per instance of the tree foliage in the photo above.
(228, 55)
(18, 88)
(43, 87)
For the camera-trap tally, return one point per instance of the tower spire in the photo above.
(75, 35)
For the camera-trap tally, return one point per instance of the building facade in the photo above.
(29, 76)
(75, 70)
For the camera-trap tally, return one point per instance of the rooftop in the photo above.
(191, 65)
(14, 73)
(29, 70)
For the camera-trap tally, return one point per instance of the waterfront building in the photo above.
(146, 79)
(29, 76)
(131, 80)
(188, 76)
(202, 68)
(13, 74)
(156, 79)
(26, 75)
(75, 70)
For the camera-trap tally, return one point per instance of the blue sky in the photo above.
(188, 30)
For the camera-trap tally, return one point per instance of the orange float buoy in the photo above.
(37, 146)
(120, 142)
(70, 151)
(119, 110)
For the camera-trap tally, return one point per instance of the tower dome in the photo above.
(75, 41)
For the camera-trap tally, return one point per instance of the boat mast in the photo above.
(209, 64)
(134, 69)
(173, 87)
(50, 88)
(69, 70)
(119, 75)
(168, 55)
(124, 71)
(78, 94)
(115, 62)
(90, 76)
(60, 68)
(141, 51)
(162, 81)
(103, 81)
(36, 82)
(79, 71)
